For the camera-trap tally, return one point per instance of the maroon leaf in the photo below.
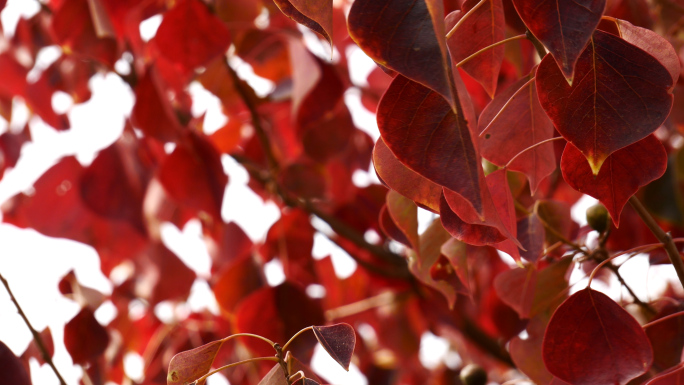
(613, 103)
(563, 26)
(652, 43)
(667, 338)
(188, 366)
(404, 180)
(13, 371)
(152, 112)
(404, 214)
(275, 376)
(423, 132)
(519, 125)
(316, 15)
(621, 176)
(673, 376)
(516, 288)
(407, 37)
(338, 340)
(484, 27)
(85, 339)
(236, 281)
(391, 229)
(531, 233)
(592, 340)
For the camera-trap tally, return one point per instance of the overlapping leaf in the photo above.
(316, 15)
(622, 174)
(85, 339)
(338, 340)
(563, 26)
(13, 371)
(188, 366)
(592, 340)
(612, 103)
(520, 123)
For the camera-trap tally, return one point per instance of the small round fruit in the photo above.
(473, 375)
(598, 218)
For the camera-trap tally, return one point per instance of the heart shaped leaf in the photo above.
(338, 340)
(186, 367)
(592, 340)
(613, 101)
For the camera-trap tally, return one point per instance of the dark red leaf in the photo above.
(404, 180)
(33, 351)
(613, 103)
(673, 376)
(424, 133)
(236, 281)
(563, 26)
(404, 214)
(190, 36)
(652, 43)
(407, 37)
(85, 339)
(188, 366)
(527, 353)
(152, 112)
(621, 176)
(13, 371)
(592, 340)
(531, 234)
(316, 15)
(521, 124)
(484, 27)
(174, 277)
(667, 338)
(516, 288)
(391, 229)
(338, 340)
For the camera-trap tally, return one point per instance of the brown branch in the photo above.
(637, 301)
(662, 236)
(36, 335)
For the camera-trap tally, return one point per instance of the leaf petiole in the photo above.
(463, 19)
(506, 105)
(504, 41)
(295, 336)
(199, 380)
(230, 337)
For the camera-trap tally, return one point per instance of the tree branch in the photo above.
(662, 236)
(36, 335)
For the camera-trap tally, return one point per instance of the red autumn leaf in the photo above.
(391, 229)
(174, 277)
(236, 281)
(531, 234)
(563, 26)
(275, 376)
(483, 27)
(592, 340)
(652, 43)
(294, 365)
(404, 180)
(13, 371)
(667, 338)
(188, 366)
(338, 340)
(152, 112)
(316, 15)
(555, 215)
(516, 288)
(305, 180)
(552, 282)
(621, 176)
(190, 36)
(411, 40)
(612, 103)
(278, 313)
(404, 214)
(33, 351)
(85, 339)
(193, 175)
(673, 376)
(423, 132)
(527, 353)
(520, 123)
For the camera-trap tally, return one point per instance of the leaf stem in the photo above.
(635, 250)
(463, 19)
(530, 148)
(275, 359)
(504, 41)
(541, 50)
(662, 236)
(506, 105)
(667, 317)
(230, 337)
(34, 333)
(295, 336)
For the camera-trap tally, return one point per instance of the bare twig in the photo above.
(662, 236)
(36, 335)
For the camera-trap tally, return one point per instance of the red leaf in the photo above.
(190, 36)
(484, 27)
(236, 281)
(277, 313)
(338, 340)
(667, 338)
(174, 277)
(404, 180)
(193, 175)
(519, 125)
(621, 176)
(592, 340)
(563, 26)
(516, 288)
(303, 180)
(391, 229)
(85, 339)
(316, 15)
(423, 132)
(152, 112)
(673, 376)
(13, 371)
(652, 43)
(527, 353)
(531, 233)
(404, 214)
(613, 103)
(406, 36)
(188, 366)
(275, 376)
(33, 351)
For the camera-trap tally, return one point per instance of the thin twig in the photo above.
(637, 301)
(662, 236)
(505, 105)
(464, 18)
(667, 317)
(504, 41)
(36, 335)
(530, 148)
(199, 380)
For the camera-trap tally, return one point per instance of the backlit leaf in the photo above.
(405, 214)
(338, 340)
(652, 43)
(275, 376)
(188, 366)
(592, 340)
(516, 288)
(315, 14)
(621, 176)
(85, 339)
(563, 26)
(13, 371)
(612, 103)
